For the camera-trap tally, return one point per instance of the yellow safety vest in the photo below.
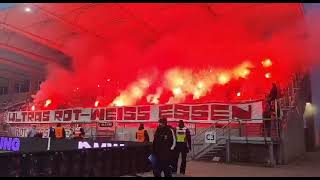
(59, 132)
(140, 135)
(181, 134)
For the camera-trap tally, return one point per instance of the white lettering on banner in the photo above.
(86, 145)
(187, 112)
(23, 131)
(210, 137)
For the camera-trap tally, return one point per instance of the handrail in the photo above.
(230, 121)
(221, 134)
(226, 129)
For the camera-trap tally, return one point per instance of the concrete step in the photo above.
(213, 158)
(215, 150)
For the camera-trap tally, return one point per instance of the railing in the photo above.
(198, 138)
(14, 99)
(269, 129)
(207, 147)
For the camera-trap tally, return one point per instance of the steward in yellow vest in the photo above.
(183, 146)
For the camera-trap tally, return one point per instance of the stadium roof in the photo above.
(34, 34)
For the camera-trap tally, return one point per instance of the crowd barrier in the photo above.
(130, 159)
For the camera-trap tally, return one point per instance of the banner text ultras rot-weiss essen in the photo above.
(187, 112)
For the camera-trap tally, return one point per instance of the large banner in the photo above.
(21, 130)
(146, 113)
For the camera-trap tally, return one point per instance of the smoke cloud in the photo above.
(197, 56)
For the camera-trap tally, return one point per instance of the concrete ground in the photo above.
(309, 165)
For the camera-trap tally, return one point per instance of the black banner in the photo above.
(34, 144)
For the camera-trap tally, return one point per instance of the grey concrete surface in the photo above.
(308, 165)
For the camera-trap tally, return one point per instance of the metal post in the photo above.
(246, 130)
(228, 131)
(49, 142)
(271, 156)
(277, 120)
(193, 155)
(240, 128)
(279, 152)
(228, 151)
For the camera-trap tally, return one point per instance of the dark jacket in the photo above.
(63, 133)
(164, 143)
(82, 132)
(273, 95)
(52, 133)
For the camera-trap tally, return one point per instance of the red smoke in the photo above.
(186, 36)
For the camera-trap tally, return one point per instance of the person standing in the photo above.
(267, 120)
(32, 132)
(183, 146)
(60, 133)
(77, 132)
(273, 95)
(142, 134)
(52, 133)
(163, 145)
(82, 132)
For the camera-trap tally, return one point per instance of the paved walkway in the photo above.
(309, 165)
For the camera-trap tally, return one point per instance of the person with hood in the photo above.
(163, 145)
(52, 132)
(32, 132)
(142, 134)
(183, 146)
(274, 93)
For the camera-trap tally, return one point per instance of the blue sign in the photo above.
(9, 144)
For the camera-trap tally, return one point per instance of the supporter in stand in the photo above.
(52, 133)
(275, 116)
(78, 132)
(32, 132)
(266, 120)
(273, 95)
(60, 133)
(142, 134)
(39, 135)
(82, 133)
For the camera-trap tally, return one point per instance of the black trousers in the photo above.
(181, 148)
(162, 165)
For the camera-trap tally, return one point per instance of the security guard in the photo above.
(164, 142)
(60, 132)
(142, 134)
(183, 146)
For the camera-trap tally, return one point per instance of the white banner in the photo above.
(147, 113)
